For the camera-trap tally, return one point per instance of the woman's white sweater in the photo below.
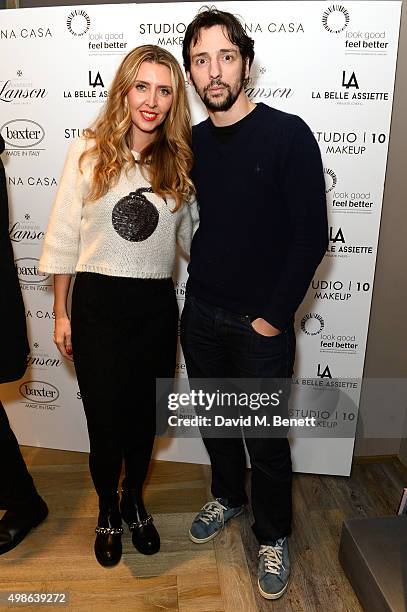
(130, 231)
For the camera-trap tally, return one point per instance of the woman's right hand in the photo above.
(62, 336)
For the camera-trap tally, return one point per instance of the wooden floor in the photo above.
(217, 576)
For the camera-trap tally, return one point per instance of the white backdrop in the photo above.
(333, 64)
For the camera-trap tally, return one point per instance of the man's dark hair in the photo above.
(209, 17)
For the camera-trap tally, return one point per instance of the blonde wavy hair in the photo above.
(167, 160)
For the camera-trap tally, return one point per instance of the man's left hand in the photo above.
(262, 327)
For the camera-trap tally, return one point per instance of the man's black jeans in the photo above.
(220, 344)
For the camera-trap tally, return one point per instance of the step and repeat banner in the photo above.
(332, 64)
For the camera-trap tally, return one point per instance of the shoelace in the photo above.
(273, 557)
(211, 511)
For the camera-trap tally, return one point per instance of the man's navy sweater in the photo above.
(263, 219)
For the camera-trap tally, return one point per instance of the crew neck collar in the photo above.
(234, 127)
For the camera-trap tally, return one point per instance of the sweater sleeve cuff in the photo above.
(52, 267)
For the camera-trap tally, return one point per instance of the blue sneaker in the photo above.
(210, 520)
(274, 569)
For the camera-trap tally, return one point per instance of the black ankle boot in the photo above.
(108, 543)
(143, 533)
(19, 520)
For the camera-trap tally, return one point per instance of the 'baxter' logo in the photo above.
(27, 270)
(335, 19)
(78, 22)
(312, 324)
(22, 133)
(39, 391)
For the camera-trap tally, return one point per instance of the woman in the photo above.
(120, 207)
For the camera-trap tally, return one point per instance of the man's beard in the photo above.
(225, 103)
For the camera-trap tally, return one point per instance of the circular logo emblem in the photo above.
(78, 22)
(312, 324)
(134, 217)
(330, 180)
(335, 19)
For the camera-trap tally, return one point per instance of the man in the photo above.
(263, 232)
(25, 509)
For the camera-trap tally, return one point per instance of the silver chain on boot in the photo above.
(143, 523)
(109, 530)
